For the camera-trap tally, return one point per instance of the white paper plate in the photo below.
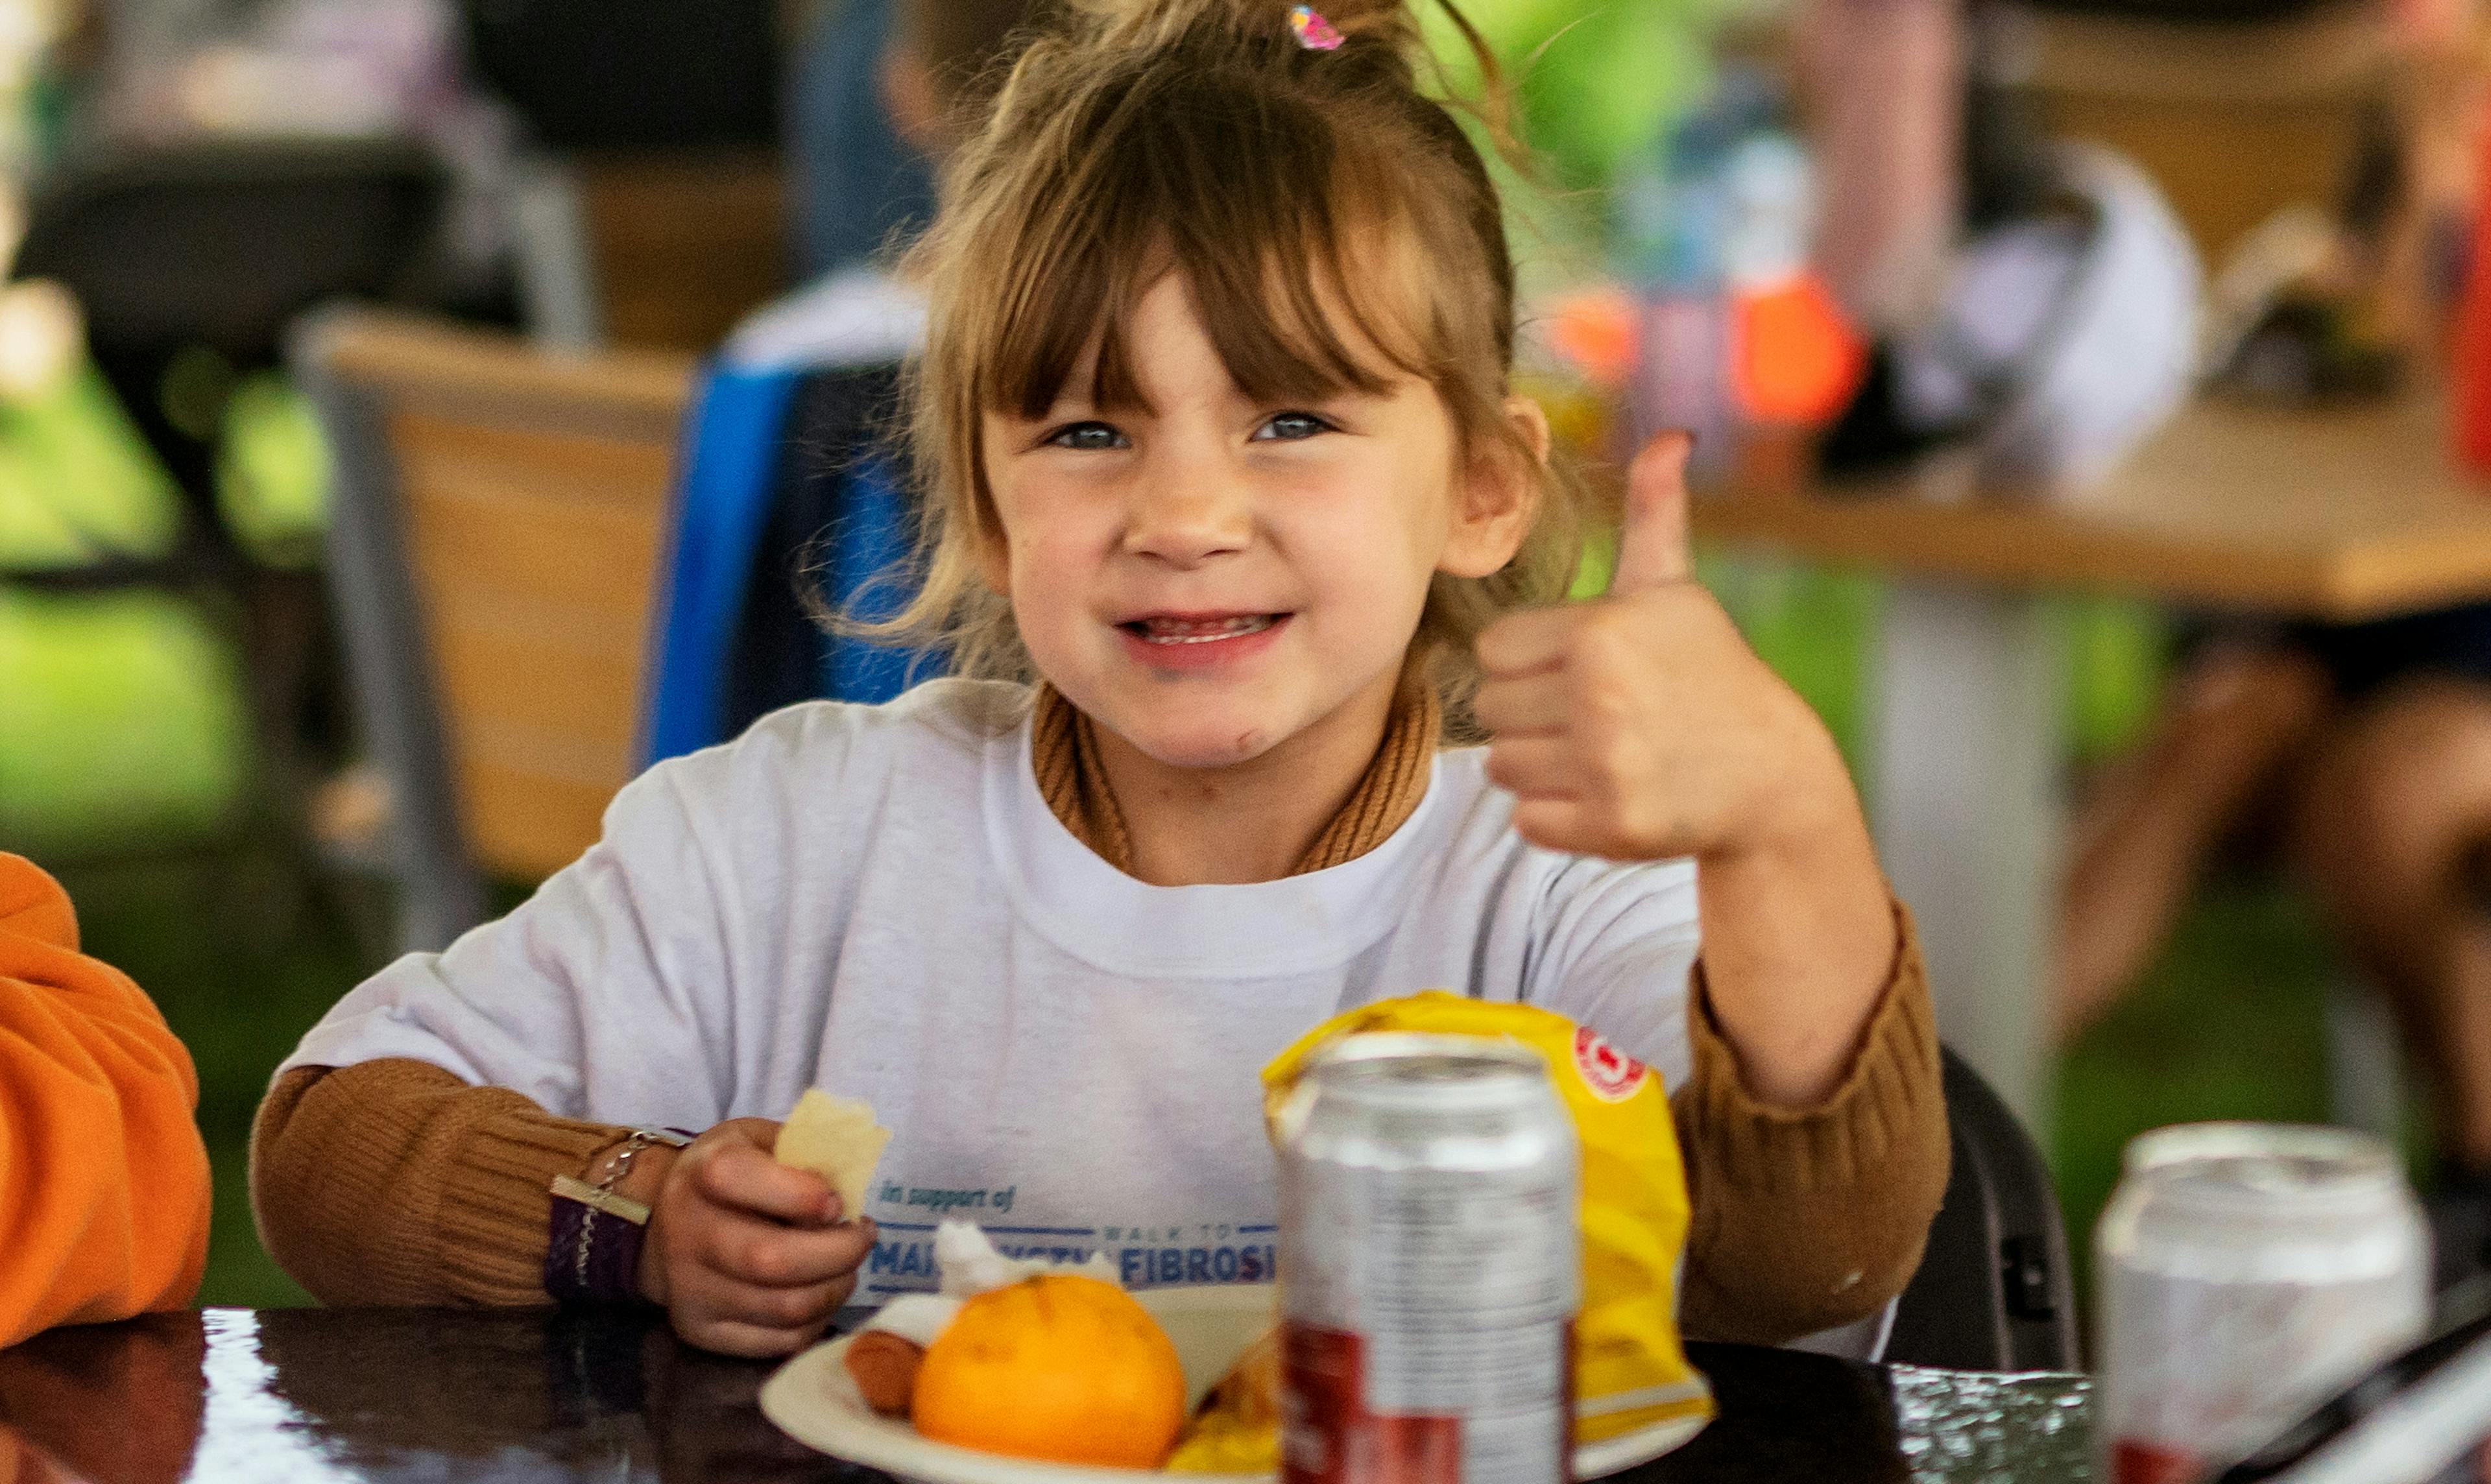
(813, 1400)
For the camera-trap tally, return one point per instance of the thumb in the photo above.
(1652, 543)
(761, 1133)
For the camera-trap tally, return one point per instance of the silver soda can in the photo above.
(1430, 1265)
(2247, 1271)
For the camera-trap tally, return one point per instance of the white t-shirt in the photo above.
(877, 900)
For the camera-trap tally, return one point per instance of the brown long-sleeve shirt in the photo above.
(394, 1182)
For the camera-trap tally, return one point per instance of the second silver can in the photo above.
(2246, 1270)
(1430, 1265)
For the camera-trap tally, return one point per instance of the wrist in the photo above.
(648, 1173)
(598, 1223)
(646, 1184)
(1804, 811)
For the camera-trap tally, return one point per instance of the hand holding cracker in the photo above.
(748, 1255)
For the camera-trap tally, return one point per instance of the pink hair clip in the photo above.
(1314, 32)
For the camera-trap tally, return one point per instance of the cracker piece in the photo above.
(838, 1139)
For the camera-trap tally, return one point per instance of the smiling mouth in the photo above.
(1176, 630)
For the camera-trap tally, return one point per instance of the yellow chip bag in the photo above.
(1629, 1369)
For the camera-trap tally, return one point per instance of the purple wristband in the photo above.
(592, 1257)
(594, 1235)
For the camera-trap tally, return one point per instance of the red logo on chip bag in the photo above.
(1612, 1074)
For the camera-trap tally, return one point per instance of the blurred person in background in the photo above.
(857, 181)
(2361, 752)
(868, 119)
(103, 1179)
(804, 391)
(2364, 753)
(879, 99)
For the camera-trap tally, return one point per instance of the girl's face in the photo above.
(1214, 575)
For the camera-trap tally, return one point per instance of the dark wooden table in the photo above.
(320, 1395)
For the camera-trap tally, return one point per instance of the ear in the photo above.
(1498, 498)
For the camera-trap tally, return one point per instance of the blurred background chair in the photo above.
(1996, 1290)
(493, 558)
(669, 151)
(190, 259)
(207, 252)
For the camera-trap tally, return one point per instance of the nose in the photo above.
(1187, 509)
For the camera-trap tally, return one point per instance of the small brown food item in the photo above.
(1237, 1429)
(884, 1367)
(1250, 1393)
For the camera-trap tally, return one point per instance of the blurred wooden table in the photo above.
(2345, 514)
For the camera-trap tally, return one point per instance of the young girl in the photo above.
(1218, 451)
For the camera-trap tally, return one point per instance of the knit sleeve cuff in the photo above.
(496, 1206)
(395, 1182)
(1887, 1101)
(1813, 1217)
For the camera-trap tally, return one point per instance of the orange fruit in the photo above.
(1062, 1368)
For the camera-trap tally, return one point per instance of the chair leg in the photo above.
(557, 262)
(2364, 1060)
(442, 893)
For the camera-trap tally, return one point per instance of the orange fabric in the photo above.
(104, 1179)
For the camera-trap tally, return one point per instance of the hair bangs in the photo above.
(1292, 255)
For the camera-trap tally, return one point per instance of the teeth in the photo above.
(1176, 631)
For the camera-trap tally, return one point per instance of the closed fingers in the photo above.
(780, 1308)
(751, 1341)
(1527, 642)
(1532, 705)
(1536, 767)
(1558, 823)
(770, 1255)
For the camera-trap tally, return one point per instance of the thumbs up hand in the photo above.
(1640, 726)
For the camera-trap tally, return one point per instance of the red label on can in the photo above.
(2145, 1463)
(1612, 1075)
(1329, 1437)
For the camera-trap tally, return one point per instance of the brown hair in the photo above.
(1288, 186)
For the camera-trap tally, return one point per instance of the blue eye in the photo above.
(1088, 437)
(1290, 427)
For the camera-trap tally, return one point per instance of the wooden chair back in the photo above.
(529, 492)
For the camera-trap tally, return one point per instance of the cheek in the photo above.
(1374, 558)
(1053, 550)
(1060, 546)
